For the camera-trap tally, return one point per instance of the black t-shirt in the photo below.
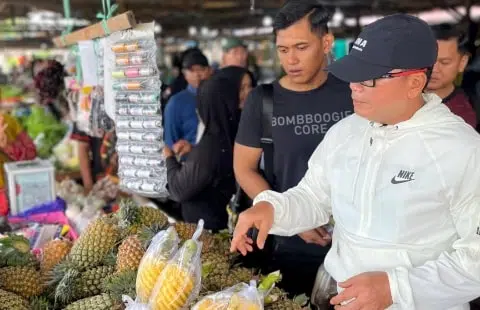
(300, 121)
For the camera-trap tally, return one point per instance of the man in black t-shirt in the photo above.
(307, 102)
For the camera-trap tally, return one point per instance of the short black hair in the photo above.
(295, 10)
(444, 32)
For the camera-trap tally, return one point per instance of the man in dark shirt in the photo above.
(307, 102)
(452, 60)
(181, 121)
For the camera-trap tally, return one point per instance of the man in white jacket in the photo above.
(401, 178)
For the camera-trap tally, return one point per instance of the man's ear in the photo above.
(463, 62)
(328, 40)
(417, 83)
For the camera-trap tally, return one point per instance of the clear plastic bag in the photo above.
(138, 148)
(180, 281)
(324, 289)
(134, 172)
(239, 297)
(162, 248)
(137, 98)
(138, 110)
(140, 135)
(100, 122)
(136, 123)
(84, 110)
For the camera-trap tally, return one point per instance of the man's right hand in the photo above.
(316, 236)
(259, 216)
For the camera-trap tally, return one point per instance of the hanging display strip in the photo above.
(132, 74)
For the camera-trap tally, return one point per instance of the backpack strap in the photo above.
(267, 137)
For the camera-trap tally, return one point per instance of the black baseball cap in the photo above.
(398, 41)
(194, 58)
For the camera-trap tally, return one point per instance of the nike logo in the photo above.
(403, 177)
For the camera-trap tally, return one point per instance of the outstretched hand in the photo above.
(259, 216)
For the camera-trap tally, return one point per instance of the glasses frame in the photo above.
(391, 76)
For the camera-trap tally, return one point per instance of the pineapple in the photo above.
(219, 281)
(153, 263)
(278, 299)
(10, 301)
(130, 254)
(90, 282)
(94, 244)
(133, 248)
(215, 263)
(275, 295)
(24, 281)
(177, 281)
(186, 230)
(284, 304)
(75, 285)
(99, 302)
(120, 284)
(134, 218)
(53, 253)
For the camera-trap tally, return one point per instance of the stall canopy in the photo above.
(176, 16)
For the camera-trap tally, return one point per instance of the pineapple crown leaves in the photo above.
(268, 282)
(120, 284)
(57, 274)
(15, 251)
(17, 242)
(111, 258)
(64, 291)
(147, 234)
(40, 303)
(128, 212)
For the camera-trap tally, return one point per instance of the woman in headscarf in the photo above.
(243, 81)
(205, 182)
(242, 78)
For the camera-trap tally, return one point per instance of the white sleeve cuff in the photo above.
(278, 211)
(400, 288)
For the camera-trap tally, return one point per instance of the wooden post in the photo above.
(120, 22)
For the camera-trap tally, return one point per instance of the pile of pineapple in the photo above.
(101, 267)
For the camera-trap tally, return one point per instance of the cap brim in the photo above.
(353, 69)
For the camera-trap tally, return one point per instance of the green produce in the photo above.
(45, 129)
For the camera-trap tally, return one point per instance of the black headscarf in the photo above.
(218, 108)
(235, 74)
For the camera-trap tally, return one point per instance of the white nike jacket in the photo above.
(405, 199)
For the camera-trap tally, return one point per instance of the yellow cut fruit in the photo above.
(148, 274)
(175, 286)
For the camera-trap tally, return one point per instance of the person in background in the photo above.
(451, 61)
(15, 145)
(181, 119)
(49, 84)
(238, 76)
(204, 183)
(97, 157)
(307, 101)
(235, 53)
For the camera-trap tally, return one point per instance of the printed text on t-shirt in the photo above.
(310, 124)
